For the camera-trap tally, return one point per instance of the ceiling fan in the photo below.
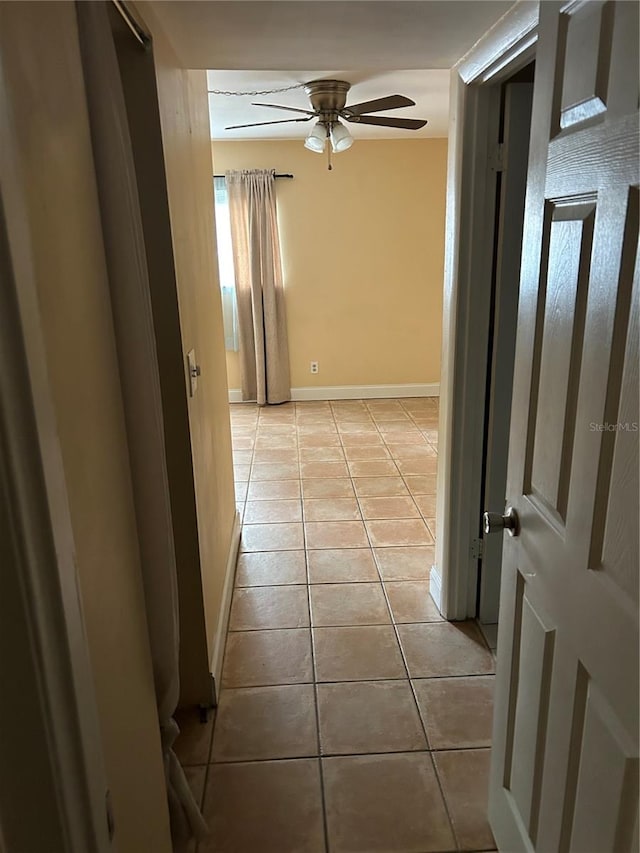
(328, 101)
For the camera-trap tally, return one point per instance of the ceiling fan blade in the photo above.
(260, 123)
(388, 121)
(391, 102)
(289, 109)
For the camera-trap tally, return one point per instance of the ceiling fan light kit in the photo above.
(316, 138)
(328, 101)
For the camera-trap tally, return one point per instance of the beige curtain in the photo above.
(262, 328)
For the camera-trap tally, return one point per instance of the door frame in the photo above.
(469, 238)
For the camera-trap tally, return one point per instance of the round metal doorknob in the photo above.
(493, 522)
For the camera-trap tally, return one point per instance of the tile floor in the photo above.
(352, 718)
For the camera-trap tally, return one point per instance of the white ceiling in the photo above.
(347, 34)
(429, 89)
(277, 38)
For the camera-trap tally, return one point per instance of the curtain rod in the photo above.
(138, 31)
(275, 176)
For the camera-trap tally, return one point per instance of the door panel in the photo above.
(565, 757)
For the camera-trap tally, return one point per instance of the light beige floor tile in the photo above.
(386, 416)
(260, 512)
(241, 473)
(384, 405)
(358, 439)
(412, 451)
(413, 467)
(275, 471)
(457, 711)
(402, 531)
(431, 524)
(389, 507)
(427, 505)
(373, 468)
(276, 455)
(259, 607)
(368, 716)
(242, 457)
(321, 454)
(394, 429)
(411, 602)
(324, 469)
(266, 806)
(336, 534)
(357, 654)
(406, 438)
(271, 568)
(366, 451)
(465, 781)
(287, 536)
(340, 487)
(379, 486)
(341, 565)
(404, 564)
(242, 442)
(257, 723)
(317, 429)
(241, 491)
(331, 509)
(383, 803)
(445, 648)
(318, 440)
(272, 425)
(359, 427)
(276, 442)
(424, 484)
(348, 604)
(274, 490)
(194, 741)
(257, 658)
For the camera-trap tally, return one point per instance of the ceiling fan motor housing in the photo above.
(327, 97)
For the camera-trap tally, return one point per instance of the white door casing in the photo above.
(565, 742)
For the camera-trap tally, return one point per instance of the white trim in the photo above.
(435, 587)
(511, 39)
(474, 116)
(225, 605)
(355, 392)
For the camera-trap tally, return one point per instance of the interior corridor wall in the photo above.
(363, 256)
(43, 75)
(184, 117)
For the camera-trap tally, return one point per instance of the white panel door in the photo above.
(565, 751)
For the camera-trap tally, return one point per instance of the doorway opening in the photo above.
(511, 162)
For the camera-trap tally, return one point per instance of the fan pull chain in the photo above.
(329, 165)
(256, 91)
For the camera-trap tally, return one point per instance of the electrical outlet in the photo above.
(314, 367)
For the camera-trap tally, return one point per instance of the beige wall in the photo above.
(363, 250)
(41, 60)
(184, 117)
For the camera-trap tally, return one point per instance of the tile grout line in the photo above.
(381, 581)
(323, 804)
(413, 693)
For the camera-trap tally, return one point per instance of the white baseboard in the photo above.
(354, 392)
(435, 587)
(225, 606)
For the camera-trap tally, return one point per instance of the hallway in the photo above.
(351, 716)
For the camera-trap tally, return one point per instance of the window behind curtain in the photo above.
(225, 264)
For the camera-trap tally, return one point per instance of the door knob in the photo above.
(493, 522)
